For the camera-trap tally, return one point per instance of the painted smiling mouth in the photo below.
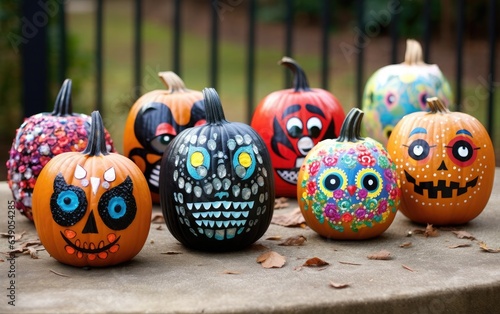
(288, 175)
(441, 186)
(91, 249)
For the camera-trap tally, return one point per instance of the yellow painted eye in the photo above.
(245, 160)
(332, 179)
(197, 159)
(370, 180)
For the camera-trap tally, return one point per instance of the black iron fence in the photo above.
(33, 81)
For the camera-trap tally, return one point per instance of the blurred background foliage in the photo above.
(156, 33)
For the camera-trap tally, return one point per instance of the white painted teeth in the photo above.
(221, 234)
(218, 223)
(217, 205)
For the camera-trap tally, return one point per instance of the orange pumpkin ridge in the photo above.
(446, 162)
(92, 208)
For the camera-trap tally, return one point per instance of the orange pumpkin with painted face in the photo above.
(446, 164)
(153, 122)
(92, 208)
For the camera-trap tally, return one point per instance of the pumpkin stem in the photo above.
(63, 105)
(413, 53)
(97, 141)
(172, 81)
(213, 106)
(300, 83)
(351, 127)
(436, 105)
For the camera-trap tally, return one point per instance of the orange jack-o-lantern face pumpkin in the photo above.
(446, 164)
(153, 122)
(92, 208)
(291, 122)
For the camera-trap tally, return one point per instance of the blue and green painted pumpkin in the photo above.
(216, 183)
(348, 187)
(396, 90)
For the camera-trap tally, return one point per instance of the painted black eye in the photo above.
(370, 182)
(390, 99)
(332, 181)
(294, 127)
(314, 127)
(160, 143)
(419, 149)
(423, 99)
(68, 203)
(462, 150)
(117, 207)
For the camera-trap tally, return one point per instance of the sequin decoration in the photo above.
(37, 140)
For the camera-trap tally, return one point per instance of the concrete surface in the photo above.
(437, 278)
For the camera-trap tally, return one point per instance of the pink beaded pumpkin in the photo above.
(41, 137)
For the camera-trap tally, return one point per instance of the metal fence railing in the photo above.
(34, 90)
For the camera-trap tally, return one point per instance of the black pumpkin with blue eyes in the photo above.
(216, 183)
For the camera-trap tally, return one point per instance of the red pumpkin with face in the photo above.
(291, 122)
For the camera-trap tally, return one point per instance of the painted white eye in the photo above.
(294, 127)
(110, 175)
(463, 151)
(418, 150)
(314, 127)
(80, 173)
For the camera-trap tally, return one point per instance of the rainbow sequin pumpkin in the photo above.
(348, 187)
(40, 138)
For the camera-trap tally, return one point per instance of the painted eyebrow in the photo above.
(314, 109)
(417, 131)
(464, 131)
(290, 110)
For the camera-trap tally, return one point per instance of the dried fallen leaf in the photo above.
(291, 219)
(349, 263)
(338, 285)
(271, 259)
(294, 241)
(274, 238)
(30, 243)
(408, 268)
(17, 237)
(171, 253)
(157, 219)
(231, 272)
(464, 235)
(57, 273)
(405, 245)
(259, 247)
(456, 246)
(429, 231)
(280, 203)
(315, 262)
(485, 248)
(380, 255)
(33, 252)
